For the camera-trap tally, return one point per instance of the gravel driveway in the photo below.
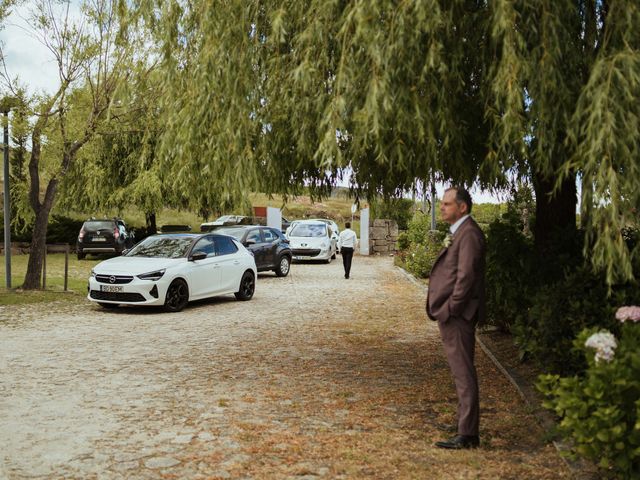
(316, 377)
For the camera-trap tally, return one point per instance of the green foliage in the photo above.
(420, 257)
(486, 213)
(521, 207)
(510, 274)
(600, 411)
(403, 241)
(399, 209)
(399, 92)
(63, 230)
(559, 311)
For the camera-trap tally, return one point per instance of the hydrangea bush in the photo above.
(600, 411)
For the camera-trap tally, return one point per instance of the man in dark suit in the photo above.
(456, 301)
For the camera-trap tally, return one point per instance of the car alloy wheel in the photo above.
(247, 287)
(283, 267)
(177, 296)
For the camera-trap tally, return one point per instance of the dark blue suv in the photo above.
(269, 246)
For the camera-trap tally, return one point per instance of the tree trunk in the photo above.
(152, 229)
(555, 210)
(33, 278)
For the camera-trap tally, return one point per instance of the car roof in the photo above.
(323, 220)
(311, 220)
(241, 227)
(187, 235)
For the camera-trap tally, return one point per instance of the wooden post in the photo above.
(66, 266)
(44, 269)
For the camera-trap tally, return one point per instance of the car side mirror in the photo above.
(198, 256)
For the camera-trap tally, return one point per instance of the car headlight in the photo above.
(153, 276)
(324, 245)
(92, 274)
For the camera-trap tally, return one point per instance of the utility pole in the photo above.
(5, 105)
(433, 206)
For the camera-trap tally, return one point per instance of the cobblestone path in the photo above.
(316, 377)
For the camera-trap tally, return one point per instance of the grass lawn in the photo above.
(78, 274)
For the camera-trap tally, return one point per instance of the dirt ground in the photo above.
(316, 377)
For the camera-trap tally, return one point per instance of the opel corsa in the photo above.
(173, 269)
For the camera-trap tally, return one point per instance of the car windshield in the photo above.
(309, 230)
(224, 218)
(162, 247)
(236, 233)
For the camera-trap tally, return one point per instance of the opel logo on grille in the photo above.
(112, 279)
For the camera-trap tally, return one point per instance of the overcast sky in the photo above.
(27, 58)
(34, 65)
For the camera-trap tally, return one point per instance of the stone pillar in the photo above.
(364, 231)
(383, 236)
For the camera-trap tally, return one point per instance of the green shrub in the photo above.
(486, 213)
(403, 241)
(420, 257)
(420, 226)
(63, 229)
(560, 310)
(509, 279)
(398, 209)
(600, 411)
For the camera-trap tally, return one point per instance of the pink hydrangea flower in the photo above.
(628, 313)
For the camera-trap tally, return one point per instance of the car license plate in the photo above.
(99, 239)
(111, 288)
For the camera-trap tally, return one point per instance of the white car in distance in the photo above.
(171, 270)
(312, 240)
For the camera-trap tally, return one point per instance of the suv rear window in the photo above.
(97, 225)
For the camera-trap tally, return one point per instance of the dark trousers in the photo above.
(458, 337)
(347, 256)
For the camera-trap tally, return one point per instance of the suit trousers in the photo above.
(347, 256)
(458, 338)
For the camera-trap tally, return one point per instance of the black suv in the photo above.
(104, 236)
(269, 246)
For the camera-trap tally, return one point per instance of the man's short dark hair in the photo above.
(463, 196)
(347, 224)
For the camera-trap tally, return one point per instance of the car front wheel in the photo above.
(177, 296)
(283, 267)
(247, 287)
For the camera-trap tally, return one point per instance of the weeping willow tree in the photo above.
(273, 95)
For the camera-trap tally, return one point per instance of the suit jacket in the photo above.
(456, 281)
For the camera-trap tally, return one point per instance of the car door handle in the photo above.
(236, 262)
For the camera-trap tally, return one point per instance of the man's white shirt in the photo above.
(347, 239)
(456, 225)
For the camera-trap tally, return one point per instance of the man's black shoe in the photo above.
(460, 442)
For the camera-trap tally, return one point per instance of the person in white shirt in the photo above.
(347, 243)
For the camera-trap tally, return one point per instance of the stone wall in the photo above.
(383, 237)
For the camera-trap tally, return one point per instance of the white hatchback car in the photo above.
(312, 240)
(172, 269)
